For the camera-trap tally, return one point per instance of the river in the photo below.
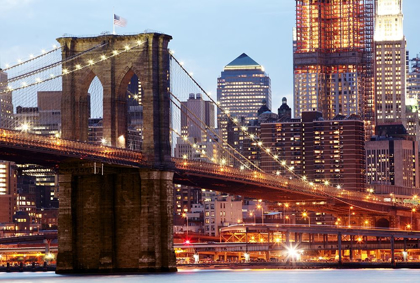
(237, 276)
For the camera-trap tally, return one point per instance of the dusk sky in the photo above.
(207, 35)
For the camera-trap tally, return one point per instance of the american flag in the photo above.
(119, 21)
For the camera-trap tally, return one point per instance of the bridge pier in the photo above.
(120, 221)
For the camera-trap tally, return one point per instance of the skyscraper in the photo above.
(390, 63)
(241, 88)
(333, 58)
(6, 106)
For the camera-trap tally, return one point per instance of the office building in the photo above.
(390, 63)
(392, 158)
(322, 150)
(6, 106)
(8, 191)
(242, 86)
(220, 212)
(333, 63)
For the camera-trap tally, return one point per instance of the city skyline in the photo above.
(217, 39)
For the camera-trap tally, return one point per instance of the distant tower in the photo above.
(390, 63)
(284, 110)
(241, 87)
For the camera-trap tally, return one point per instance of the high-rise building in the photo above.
(332, 58)
(390, 63)
(194, 112)
(6, 106)
(392, 158)
(322, 150)
(413, 81)
(242, 86)
(8, 191)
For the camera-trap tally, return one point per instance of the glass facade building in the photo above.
(241, 89)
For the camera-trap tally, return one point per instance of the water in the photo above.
(232, 276)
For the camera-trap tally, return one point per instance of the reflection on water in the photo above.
(240, 276)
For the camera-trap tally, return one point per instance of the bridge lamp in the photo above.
(43, 51)
(278, 173)
(223, 161)
(283, 163)
(242, 167)
(103, 141)
(115, 52)
(19, 61)
(359, 239)
(326, 183)
(244, 129)
(90, 61)
(184, 156)
(127, 47)
(65, 71)
(54, 46)
(251, 136)
(31, 56)
(338, 187)
(291, 168)
(38, 80)
(181, 63)
(78, 67)
(139, 42)
(304, 178)
(235, 120)
(103, 57)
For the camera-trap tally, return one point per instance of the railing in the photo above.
(281, 182)
(119, 156)
(70, 148)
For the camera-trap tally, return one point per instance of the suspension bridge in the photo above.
(106, 112)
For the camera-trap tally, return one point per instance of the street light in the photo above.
(252, 213)
(262, 213)
(411, 220)
(305, 214)
(286, 205)
(186, 216)
(350, 208)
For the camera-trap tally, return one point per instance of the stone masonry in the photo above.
(117, 219)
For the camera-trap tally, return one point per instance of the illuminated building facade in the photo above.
(322, 150)
(413, 96)
(242, 86)
(390, 63)
(6, 106)
(220, 212)
(199, 111)
(332, 58)
(392, 158)
(8, 191)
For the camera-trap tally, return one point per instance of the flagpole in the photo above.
(113, 23)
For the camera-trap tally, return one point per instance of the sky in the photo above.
(207, 35)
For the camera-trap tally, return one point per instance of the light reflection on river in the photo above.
(240, 276)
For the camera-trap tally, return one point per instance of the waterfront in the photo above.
(220, 275)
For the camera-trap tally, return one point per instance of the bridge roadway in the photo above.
(29, 148)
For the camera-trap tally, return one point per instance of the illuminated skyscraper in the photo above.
(333, 58)
(241, 88)
(6, 106)
(390, 63)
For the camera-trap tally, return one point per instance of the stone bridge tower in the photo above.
(116, 219)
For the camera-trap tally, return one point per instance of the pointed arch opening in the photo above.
(95, 97)
(131, 93)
